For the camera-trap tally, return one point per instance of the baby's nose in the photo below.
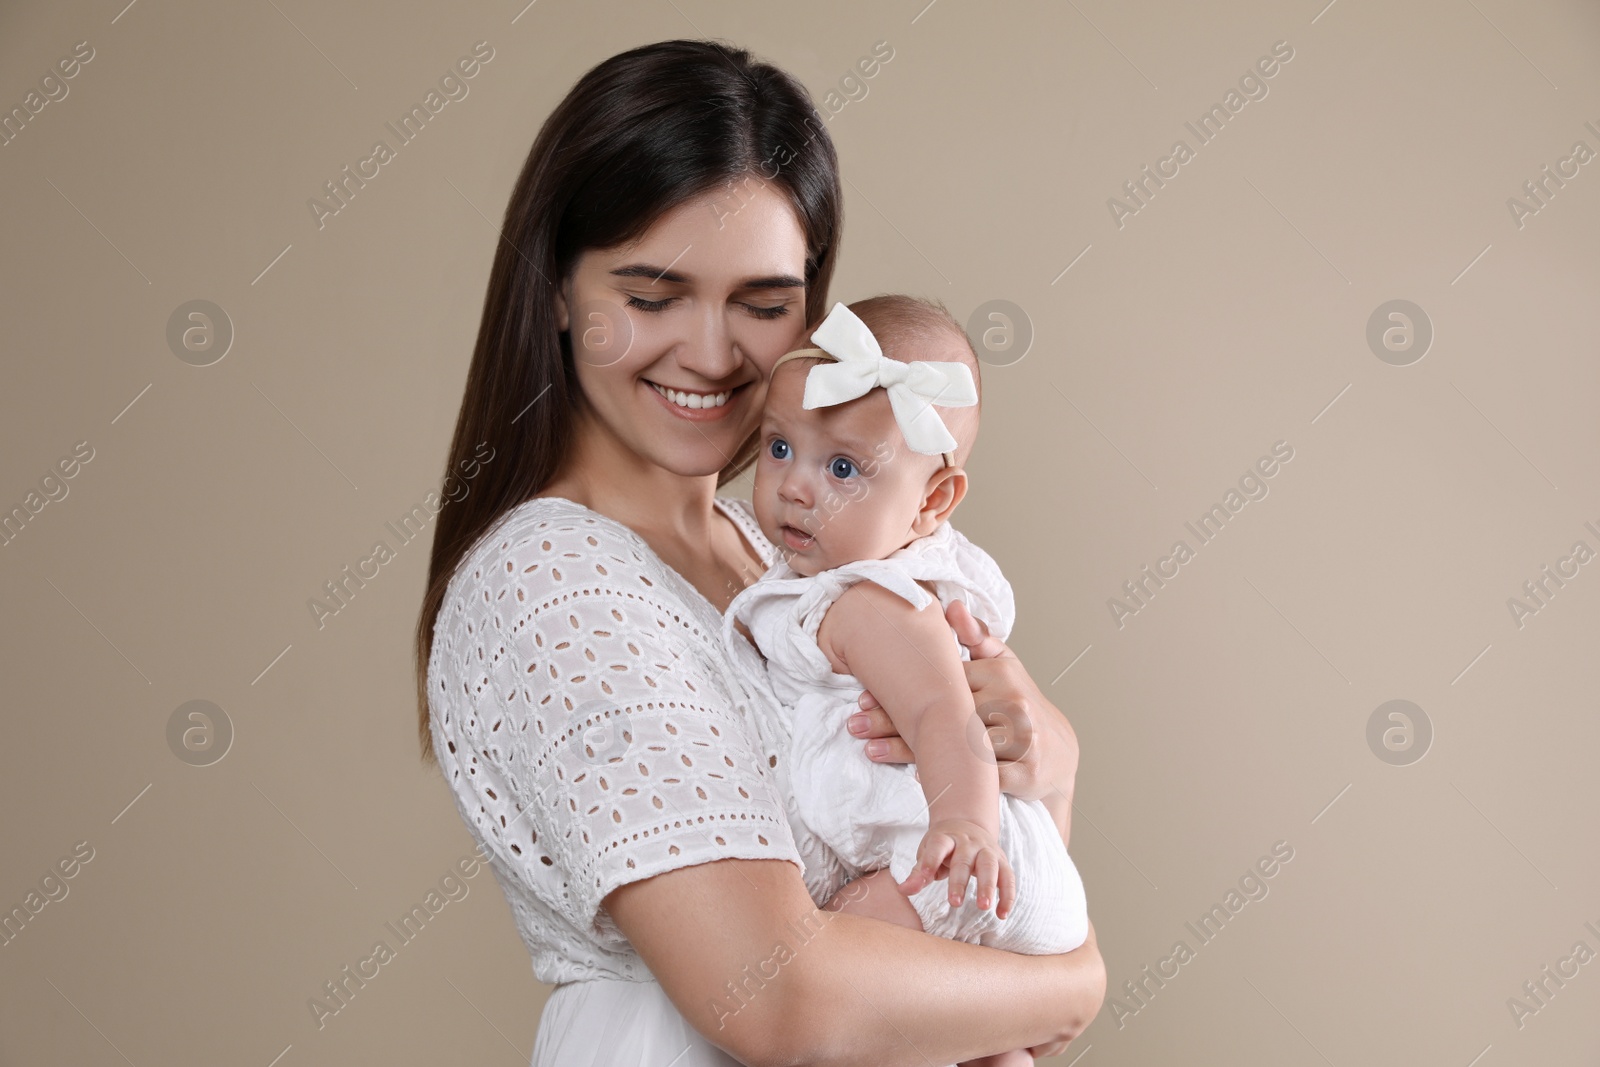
(796, 487)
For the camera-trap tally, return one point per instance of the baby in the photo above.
(855, 484)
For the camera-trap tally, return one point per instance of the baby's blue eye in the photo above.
(841, 468)
(779, 449)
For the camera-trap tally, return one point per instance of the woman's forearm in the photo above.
(875, 992)
(753, 965)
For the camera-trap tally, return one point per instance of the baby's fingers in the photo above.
(987, 869)
(931, 855)
(1008, 889)
(992, 872)
(960, 871)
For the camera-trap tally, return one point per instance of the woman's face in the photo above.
(674, 335)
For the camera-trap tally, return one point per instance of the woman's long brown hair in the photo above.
(637, 135)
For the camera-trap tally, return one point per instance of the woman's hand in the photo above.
(1034, 745)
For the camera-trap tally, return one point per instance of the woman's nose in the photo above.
(709, 350)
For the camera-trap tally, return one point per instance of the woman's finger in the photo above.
(1015, 779)
(867, 701)
(1009, 726)
(999, 678)
(874, 723)
(890, 750)
(971, 631)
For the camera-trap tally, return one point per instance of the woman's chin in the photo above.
(695, 459)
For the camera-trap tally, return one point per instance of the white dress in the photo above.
(593, 731)
(874, 815)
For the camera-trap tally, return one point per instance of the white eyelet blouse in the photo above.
(594, 731)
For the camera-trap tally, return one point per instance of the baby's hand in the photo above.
(958, 849)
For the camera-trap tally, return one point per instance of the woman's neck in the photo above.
(606, 476)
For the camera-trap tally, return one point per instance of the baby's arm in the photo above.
(908, 660)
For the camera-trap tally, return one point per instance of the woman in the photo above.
(673, 232)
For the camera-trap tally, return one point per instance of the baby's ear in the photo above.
(946, 487)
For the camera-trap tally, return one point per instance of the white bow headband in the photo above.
(913, 388)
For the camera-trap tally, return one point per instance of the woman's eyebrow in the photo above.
(667, 274)
(775, 281)
(655, 274)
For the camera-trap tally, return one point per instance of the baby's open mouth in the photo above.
(796, 538)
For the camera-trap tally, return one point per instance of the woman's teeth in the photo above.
(693, 400)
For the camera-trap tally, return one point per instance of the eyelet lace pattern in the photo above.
(592, 728)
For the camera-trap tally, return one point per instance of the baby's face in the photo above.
(836, 484)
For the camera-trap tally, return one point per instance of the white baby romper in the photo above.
(874, 815)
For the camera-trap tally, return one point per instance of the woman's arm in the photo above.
(1034, 742)
(753, 965)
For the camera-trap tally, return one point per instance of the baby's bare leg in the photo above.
(877, 896)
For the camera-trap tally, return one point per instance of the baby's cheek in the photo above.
(761, 498)
(857, 535)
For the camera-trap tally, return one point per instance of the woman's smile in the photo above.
(696, 406)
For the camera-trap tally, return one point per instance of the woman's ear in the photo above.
(563, 318)
(945, 489)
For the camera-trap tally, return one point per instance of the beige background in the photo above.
(1228, 314)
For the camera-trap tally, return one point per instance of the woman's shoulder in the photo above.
(555, 524)
(551, 517)
(547, 543)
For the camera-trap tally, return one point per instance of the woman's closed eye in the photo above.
(639, 303)
(775, 312)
